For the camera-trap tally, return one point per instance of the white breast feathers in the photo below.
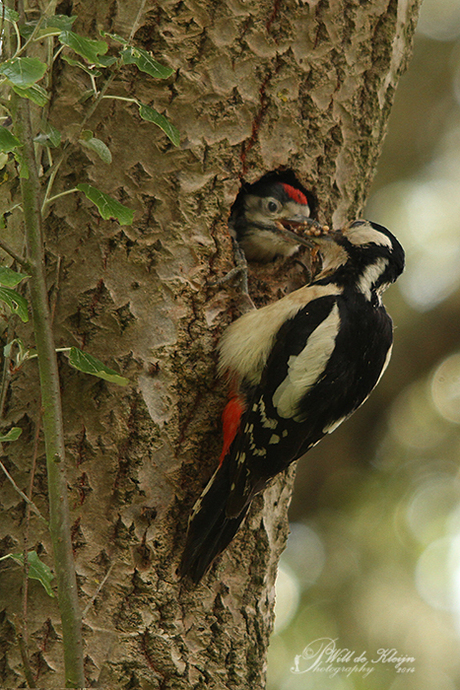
(246, 344)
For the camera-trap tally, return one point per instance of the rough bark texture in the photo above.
(260, 85)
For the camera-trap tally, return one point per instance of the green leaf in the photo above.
(115, 37)
(17, 352)
(152, 115)
(6, 13)
(12, 435)
(88, 48)
(26, 31)
(50, 26)
(107, 60)
(37, 569)
(35, 93)
(23, 167)
(145, 62)
(16, 302)
(108, 207)
(61, 21)
(88, 141)
(10, 278)
(88, 69)
(86, 95)
(90, 365)
(23, 71)
(8, 141)
(49, 136)
(40, 571)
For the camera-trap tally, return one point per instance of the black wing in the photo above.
(324, 363)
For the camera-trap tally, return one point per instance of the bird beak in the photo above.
(308, 232)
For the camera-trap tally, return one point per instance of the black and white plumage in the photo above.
(298, 368)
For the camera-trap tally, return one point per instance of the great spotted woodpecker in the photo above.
(297, 369)
(260, 221)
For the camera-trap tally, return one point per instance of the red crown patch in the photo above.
(295, 194)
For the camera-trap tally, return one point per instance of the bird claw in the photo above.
(241, 269)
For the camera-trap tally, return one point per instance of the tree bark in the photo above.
(260, 86)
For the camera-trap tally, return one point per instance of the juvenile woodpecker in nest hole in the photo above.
(297, 369)
(260, 221)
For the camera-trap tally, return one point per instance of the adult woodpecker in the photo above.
(298, 368)
(260, 221)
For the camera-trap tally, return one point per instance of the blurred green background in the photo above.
(368, 594)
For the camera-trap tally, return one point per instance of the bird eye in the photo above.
(272, 206)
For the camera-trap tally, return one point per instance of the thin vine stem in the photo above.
(52, 410)
(18, 37)
(57, 196)
(57, 164)
(23, 495)
(122, 98)
(25, 659)
(5, 381)
(99, 97)
(34, 33)
(25, 583)
(95, 595)
(14, 255)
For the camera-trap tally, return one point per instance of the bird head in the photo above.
(363, 253)
(262, 223)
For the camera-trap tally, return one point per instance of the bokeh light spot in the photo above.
(424, 215)
(440, 19)
(432, 576)
(304, 554)
(445, 388)
(430, 507)
(287, 598)
(413, 419)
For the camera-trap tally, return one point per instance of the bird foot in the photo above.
(241, 270)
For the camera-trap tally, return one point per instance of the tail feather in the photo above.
(210, 530)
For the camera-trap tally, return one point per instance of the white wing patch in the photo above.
(267, 422)
(305, 368)
(197, 506)
(247, 342)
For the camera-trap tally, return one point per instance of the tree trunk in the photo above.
(260, 86)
